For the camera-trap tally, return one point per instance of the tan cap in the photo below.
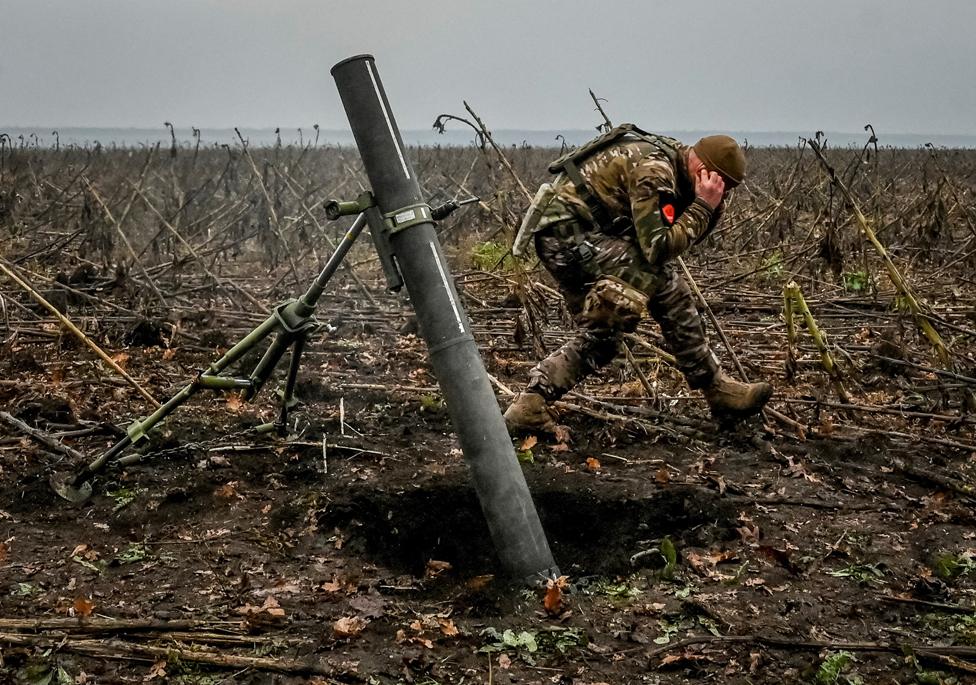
(722, 154)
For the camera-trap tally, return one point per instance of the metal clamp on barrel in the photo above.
(335, 209)
(405, 217)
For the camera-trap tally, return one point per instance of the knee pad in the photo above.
(614, 304)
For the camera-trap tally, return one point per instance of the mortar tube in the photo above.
(495, 471)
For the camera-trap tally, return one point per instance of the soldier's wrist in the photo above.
(701, 202)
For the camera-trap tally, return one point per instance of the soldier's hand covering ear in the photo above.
(709, 186)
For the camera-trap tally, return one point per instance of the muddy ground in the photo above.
(834, 546)
(814, 542)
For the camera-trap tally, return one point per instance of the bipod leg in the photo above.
(288, 399)
(77, 487)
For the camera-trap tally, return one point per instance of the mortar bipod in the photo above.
(292, 322)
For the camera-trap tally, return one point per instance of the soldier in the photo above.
(608, 228)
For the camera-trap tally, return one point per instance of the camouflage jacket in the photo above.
(647, 193)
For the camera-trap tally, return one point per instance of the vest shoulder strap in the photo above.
(666, 144)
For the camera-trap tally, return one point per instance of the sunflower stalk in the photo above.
(793, 298)
(907, 295)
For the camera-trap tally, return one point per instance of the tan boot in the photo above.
(529, 412)
(729, 398)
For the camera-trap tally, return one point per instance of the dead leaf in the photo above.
(528, 443)
(272, 608)
(562, 434)
(663, 475)
(696, 561)
(330, 586)
(480, 582)
(158, 670)
(369, 607)
(705, 565)
(83, 607)
(448, 627)
(719, 481)
(799, 470)
(748, 531)
(169, 354)
(234, 403)
(228, 491)
(553, 601)
(269, 612)
(349, 626)
(686, 656)
(780, 556)
(282, 587)
(592, 464)
(121, 358)
(418, 627)
(3, 552)
(435, 568)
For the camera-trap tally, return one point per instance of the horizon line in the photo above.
(311, 128)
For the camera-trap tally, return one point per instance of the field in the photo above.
(830, 542)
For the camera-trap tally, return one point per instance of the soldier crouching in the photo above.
(621, 210)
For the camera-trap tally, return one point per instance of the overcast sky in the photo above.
(904, 66)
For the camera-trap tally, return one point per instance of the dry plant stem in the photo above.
(928, 475)
(877, 409)
(120, 649)
(664, 356)
(494, 146)
(792, 295)
(953, 608)
(900, 283)
(289, 183)
(78, 293)
(276, 226)
(599, 108)
(675, 428)
(648, 388)
(216, 279)
(782, 418)
(40, 436)
(110, 625)
(521, 277)
(785, 643)
(670, 417)
(125, 241)
(78, 334)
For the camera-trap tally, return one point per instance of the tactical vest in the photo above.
(570, 163)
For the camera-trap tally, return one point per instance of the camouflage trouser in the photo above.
(669, 301)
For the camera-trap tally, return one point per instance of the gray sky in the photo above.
(904, 66)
